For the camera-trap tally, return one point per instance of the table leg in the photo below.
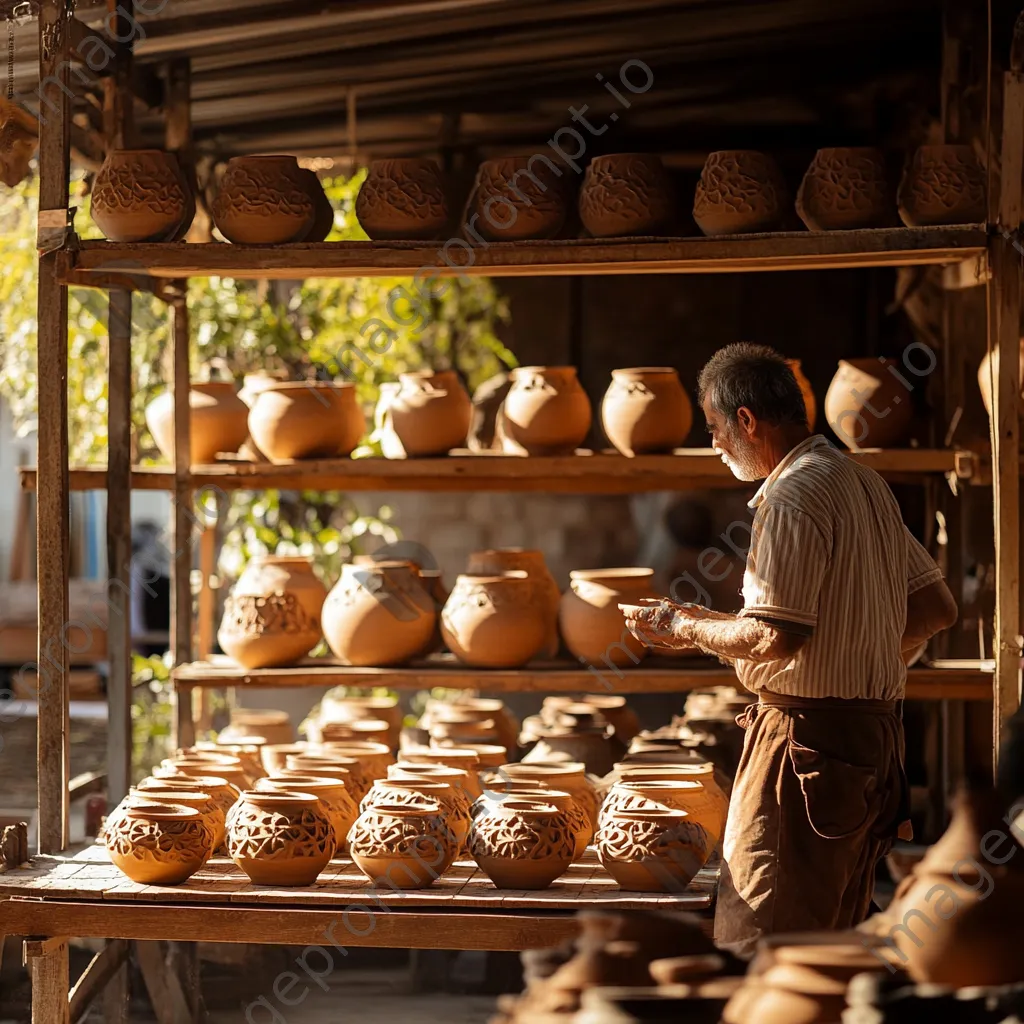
(51, 983)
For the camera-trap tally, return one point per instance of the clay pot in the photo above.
(220, 791)
(465, 783)
(583, 736)
(988, 373)
(371, 729)
(491, 755)
(161, 791)
(459, 758)
(258, 381)
(626, 194)
(499, 790)
(453, 726)
(407, 846)
(412, 792)
(572, 778)
(846, 188)
(18, 145)
(217, 421)
(494, 621)
(810, 403)
(943, 185)
(273, 726)
(655, 850)
(159, 843)
(613, 707)
(501, 560)
(481, 708)
(430, 413)
(264, 200)
(332, 766)
(591, 624)
(866, 405)
(374, 758)
(378, 614)
(546, 412)
(402, 199)
(740, 191)
(356, 711)
(519, 197)
(272, 615)
(306, 420)
(248, 754)
(274, 756)
(522, 844)
(686, 787)
(683, 970)
(141, 195)
(645, 409)
(280, 838)
(323, 211)
(228, 769)
(333, 795)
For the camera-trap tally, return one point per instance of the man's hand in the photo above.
(663, 624)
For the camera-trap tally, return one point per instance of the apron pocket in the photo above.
(841, 798)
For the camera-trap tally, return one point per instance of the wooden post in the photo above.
(50, 981)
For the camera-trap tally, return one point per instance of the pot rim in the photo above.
(264, 156)
(570, 769)
(311, 385)
(512, 576)
(179, 793)
(161, 811)
(327, 760)
(214, 781)
(677, 785)
(357, 746)
(636, 370)
(280, 797)
(430, 809)
(279, 780)
(523, 370)
(651, 814)
(631, 573)
(466, 754)
(514, 805)
(626, 768)
(440, 787)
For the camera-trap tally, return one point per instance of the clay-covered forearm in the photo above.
(732, 638)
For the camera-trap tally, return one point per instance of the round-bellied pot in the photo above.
(274, 756)
(323, 211)
(344, 718)
(402, 199)
(522, 844)
(272, 616)
(248, 754)
(373, 758)
(483, 708)
(582, 735)
(653, 795)
(866, 405)
(810, 402)
(281, 838)
(519, 197)
(655, 850)
(494, 621)
(227, 768)
(491, 756)
(411, 792)
(264, 200)
(222, 792)
(626, 194)
(740, 191)
(378, 614)
(160, 791)
(465, 785)
(306, 420)
(273, 726)
(570, 778)
(259, 380)
(333, 795)
(614, 707)
(330, 766)
(454, 726)
(408, 845)
(430, 413)
(141, 195)
(846, 188)
(592, 626)
(546, 411)
(943, 185)
(159, 843)
(707, 804)
(645, 410)
(217, 418)
(499, 790)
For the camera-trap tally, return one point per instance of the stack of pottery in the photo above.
(519, 197)
(846, 188)
(335, 799)
(408, 789)
(327, 764)
(616, 712)
(272, 726)
(159, 843)
(306, 419)
(402, 200)
(740, 191)
(467, 728)
(210, 798)
(226, 767)
(645, 410)
(546, 412)
(339, 708)
(578, 733)
(428, 414)
(142, 195)
(566, 777)
(217, 421)
(481, 709)
(943, 185)
(627, 194)
(248, 754)
(867, 405)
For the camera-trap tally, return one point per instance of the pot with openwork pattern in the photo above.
(499, 790)
(161, 791)
(264, 200)
(333, 795)
(159, 843)
(654, 850)
(141, 195)
(408, 845)
(402, 199)
(413, 791)
(522, 844)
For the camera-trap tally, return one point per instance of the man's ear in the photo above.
(747, 421)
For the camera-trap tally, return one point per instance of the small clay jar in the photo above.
(519, 197)
(217, 421)
(465, 784)
(159, 791)
(141, 195)
(408, 846)
(159, 843)
(272, 725)
(374, 758)
(333, 795)
(569, 777)
(943, 185)
(740, 191)
(264, 200)
(412, 792)
(332, 766)
(429, 414)
(654, 850)
(627, 194)
(846, 188)
(522, 844)
(220, 791)
(867, 406)
(686, 787)
(499, 790)
(272, 615)
(592, 626)
(645, 410)
(323, 211)
(810, 403)
(281, 838)
(402, 199)
(491, 755)
(306, 420)
(582, 736)
(546, 411)
(454, 721)
(494, 621)
(461, 759)
(248, 754)
(480, 708)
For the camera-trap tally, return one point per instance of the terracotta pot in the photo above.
(141, 195)
(455, 727)
(491, 755)
(233, 774)
(867, 406)
(652, 795)
(672, 785)
(519, 197)
(572, 778)
(374, 758)
(158, 791)
(681, 970)
(943, 185)
(371, 729)
(627, 194)
(482, 708)
(494, 621)
(810, 402)
(433, 580)
(273, 726)
(378, 614)
(323, 211)
(583, 736)
(740, 191)
(406, 846)
(467, 761)
(306, 420)
(274, 756)
(217, 788)
(410, 792)
(459, 779)
(592, 626)
(645, 409)
(988, 372)
(546, 412)
(499, 790)
(846, 188)
(347, 708)
(264, 200)
(430, 413)
(159, 843)
(248, 754)
(522, 844)
(655, 850)
(495, 561)
(333, 795)
(616, 711)
(280, 838)
(217, 421)
(330, 766)
(402, 199)
(272, 615)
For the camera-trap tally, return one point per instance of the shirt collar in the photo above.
(814, 441)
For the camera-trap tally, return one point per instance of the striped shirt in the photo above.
(830, 558)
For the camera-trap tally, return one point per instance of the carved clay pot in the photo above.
(141, 195)
(988, 372)
(519, 197)
(499, 790)
(810, 402)
(655, 850)
(867, 406)
(378, 614)
(264, 200)
(943, 185)
(465, 784)
(373, 758)
(217, 421)
(306, 420)
(645, 409)
(592, 626)
(408, 846)
(430, 413)
(159, 843)
(572, 778)
(273, 726)
(402, 199)
(272, 616)
(332, 766)
(228, 768)
(18, 144)
(274, 756)
(280, 838)
(412, 792)
(494, 621)
(685, 787)
(846, 188)
(461, 759)
(491, 755)
(546, 412)
(522, 844)
(740, 191)
(626, 194)
(160, 791)
(333, 795)
(222, 792)
(323, 211)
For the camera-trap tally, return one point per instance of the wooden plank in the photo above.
(116, 998)
(165, 994)
(104, 965)
(50, 983)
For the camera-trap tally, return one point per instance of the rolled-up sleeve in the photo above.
(921, 568)
(789, 554)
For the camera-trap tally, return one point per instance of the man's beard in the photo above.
(742, 462)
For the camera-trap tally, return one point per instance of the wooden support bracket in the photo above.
(103, 967)
(163, 985)
(34, 948)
